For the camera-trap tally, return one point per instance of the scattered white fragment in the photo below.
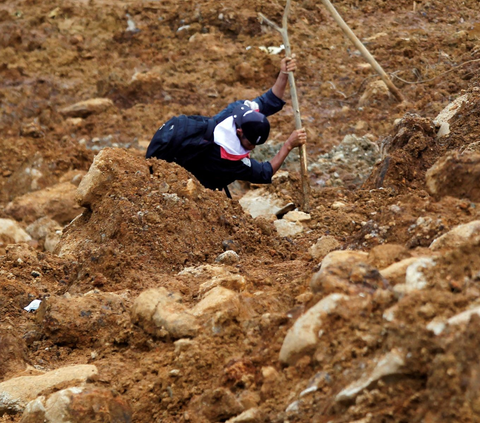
(308, 390)
(272, 49)
(131, 27)
(33, 305)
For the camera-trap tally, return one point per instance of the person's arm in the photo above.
(296, 139)
(288, 64)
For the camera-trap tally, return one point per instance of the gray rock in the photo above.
(228, 257)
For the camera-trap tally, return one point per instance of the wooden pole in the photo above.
(365, 53)
(293, 92)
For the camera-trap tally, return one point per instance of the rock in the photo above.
(395, 273)
(249, 399)
(335, 270)
(93, 182)
(228, 257)
(389, 365)
(186, 344)
(390, 313)
(456, 174)
(297, 216)
(87, 107)
(451, 110)
(437, 326)
(414, 276)
(156, 309)
(205, 270)
(348, 163)
(376, 92)
(460, 235)
(42, 227)
(149, 80)
(285, 228)
(47, 230)
(57, 202)
(32, 129)
(302, 337)
(78, 405)
(233, 282)
(253, 415)
(52, 240)
(218, 405)
(444, 130)
(12, 229)
(16, 393)
(337, 205)
(287, 207)
(259, 202)
(78, 319)
(323, 246)
(272, 382)
(216, 299)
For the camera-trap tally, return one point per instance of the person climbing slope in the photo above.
(217, 150)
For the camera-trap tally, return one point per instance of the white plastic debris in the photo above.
(33, 305)
(131, 27)
(183, 27)
(272, 49)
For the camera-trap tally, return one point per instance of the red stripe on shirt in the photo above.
(234, 157)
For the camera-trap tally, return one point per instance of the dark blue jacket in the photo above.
(188, 141)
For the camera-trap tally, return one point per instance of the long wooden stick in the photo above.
(365, 53)
(293, 92)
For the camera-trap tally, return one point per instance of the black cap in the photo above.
(254, 125)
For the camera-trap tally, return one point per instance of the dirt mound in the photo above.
(150, 217)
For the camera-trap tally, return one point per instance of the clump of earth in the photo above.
(132, 293)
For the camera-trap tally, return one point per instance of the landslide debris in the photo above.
(159, 300)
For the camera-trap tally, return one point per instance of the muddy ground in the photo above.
(148, 224)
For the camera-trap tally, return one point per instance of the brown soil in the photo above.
(145, 226)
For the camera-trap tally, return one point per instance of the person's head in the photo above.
(252, 127)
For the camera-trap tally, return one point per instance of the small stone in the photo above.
(338, 205)
(13, 230)
(390, 364)
(87, 107)
(323, 246)
(297, 216)
(286, 228)
(228, 257)
(215, 299)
